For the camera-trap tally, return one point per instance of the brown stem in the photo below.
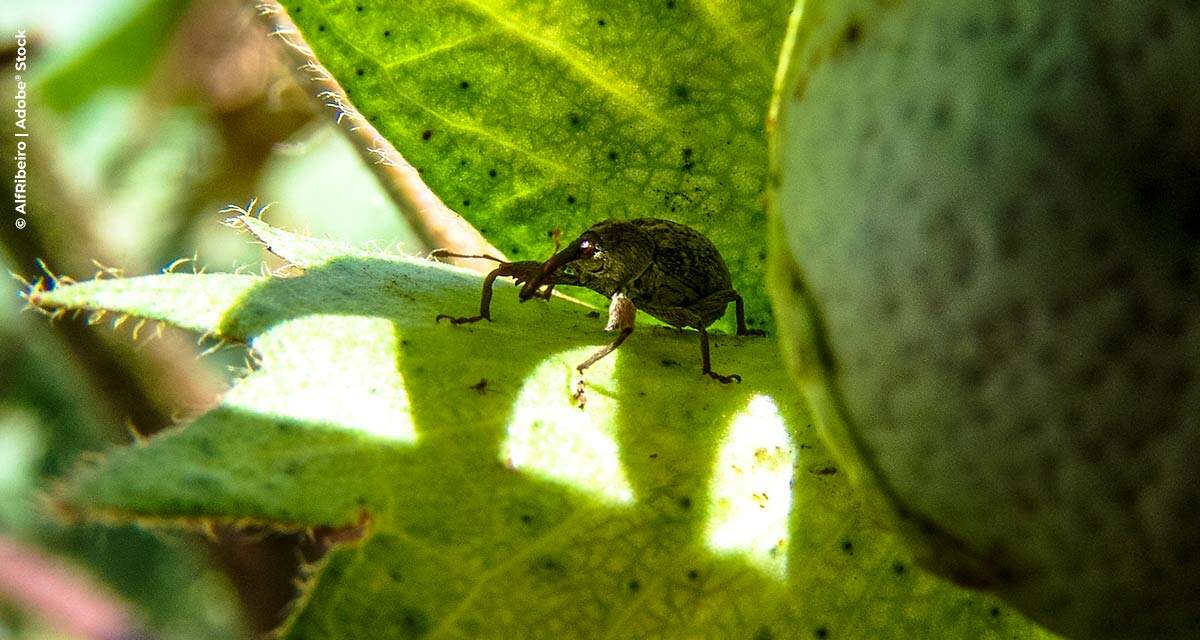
(437, 225)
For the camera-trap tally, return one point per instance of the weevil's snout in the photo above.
(550, 268)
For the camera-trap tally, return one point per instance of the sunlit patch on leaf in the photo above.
(751, 492)
(551, 436)
(369, 397)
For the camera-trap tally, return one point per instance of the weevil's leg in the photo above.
(548, 291)
(714, 305)
(485, 302)
(442, 253)
(605, 350)
(621, 313)
(739, 308)
(621, 316)
(707, 370)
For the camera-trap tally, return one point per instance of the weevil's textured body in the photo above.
(666, 269)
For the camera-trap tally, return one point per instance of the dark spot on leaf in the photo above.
(321, 27)
(1006, 22)
(820, 632)
(848, 547)
(824, 471)
(415, 621)
(387, 34)
(941, 114)
(570, 199)
(667, 362)
(464, 85)
(634, 585)
(466, 203)
(995, 612)
(426, 134)
(1160, 25)
(593, 314)
(395, 575)
(526, 518)
(764, 633)
(516, 251)
(898, 568)
(685, 503)
(601, 22)
(547, 564)
(654, 455)
(491, 173)
(973, 30)
(853, 33)
(612, 155)
(692, 574)
(206, 447)
(298, 9)
(358, 72)
(202, 482)
(574, 119)
(972, 376)
(680, 92)
(1018, 65)
(670, 4)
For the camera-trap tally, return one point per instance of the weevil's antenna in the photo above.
(442, 253)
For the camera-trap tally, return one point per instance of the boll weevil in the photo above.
(666, 269)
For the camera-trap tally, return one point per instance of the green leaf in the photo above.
(527, 117)
(487, 503)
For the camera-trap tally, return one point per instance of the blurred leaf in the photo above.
(301, 179)
(122, 57)
(527, 117)
(47, 419)
(489, 505)
(20, 449)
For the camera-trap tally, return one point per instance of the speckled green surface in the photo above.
(988, 259)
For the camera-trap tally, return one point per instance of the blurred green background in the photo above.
(146, 117)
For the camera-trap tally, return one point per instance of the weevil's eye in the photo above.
(587, 248)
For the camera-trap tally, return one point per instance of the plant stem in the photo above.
(437, 225)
